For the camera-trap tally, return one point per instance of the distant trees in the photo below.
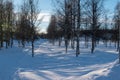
(76, 19)
(52, 29)
(75, 15)
(73, 20)
(20, 25)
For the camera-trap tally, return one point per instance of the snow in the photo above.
(52, 63)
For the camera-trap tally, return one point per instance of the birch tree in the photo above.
(34, 11)
(117, 26)
(1, 22)
(94, 11)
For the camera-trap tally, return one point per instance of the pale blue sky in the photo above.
(47, 7)
(46, 10)
(110, 4)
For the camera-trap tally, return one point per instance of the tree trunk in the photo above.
(77, 47)
(66, 45)
(93, 44)
(1, 37)
(32, 48)
(78, 28)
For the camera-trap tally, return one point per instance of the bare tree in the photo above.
(93, 11)
(70, 15)
(52, 29)
(105, 27)
(28, 22)
(63, 9)
(78, 27)
(117, 25)
(23, 29)
(8, 21)
(1, 22)
(34, 11)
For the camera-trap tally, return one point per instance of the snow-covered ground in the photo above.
(52, 63)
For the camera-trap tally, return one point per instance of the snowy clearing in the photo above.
(52, 63)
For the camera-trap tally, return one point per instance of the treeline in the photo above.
(6, 23)
(74, 19)
(105, 35)
(20, 25)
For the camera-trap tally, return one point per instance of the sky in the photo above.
(46, 7)
(46, 11)
(110, 5)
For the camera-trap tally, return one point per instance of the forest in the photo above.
(72, 22)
